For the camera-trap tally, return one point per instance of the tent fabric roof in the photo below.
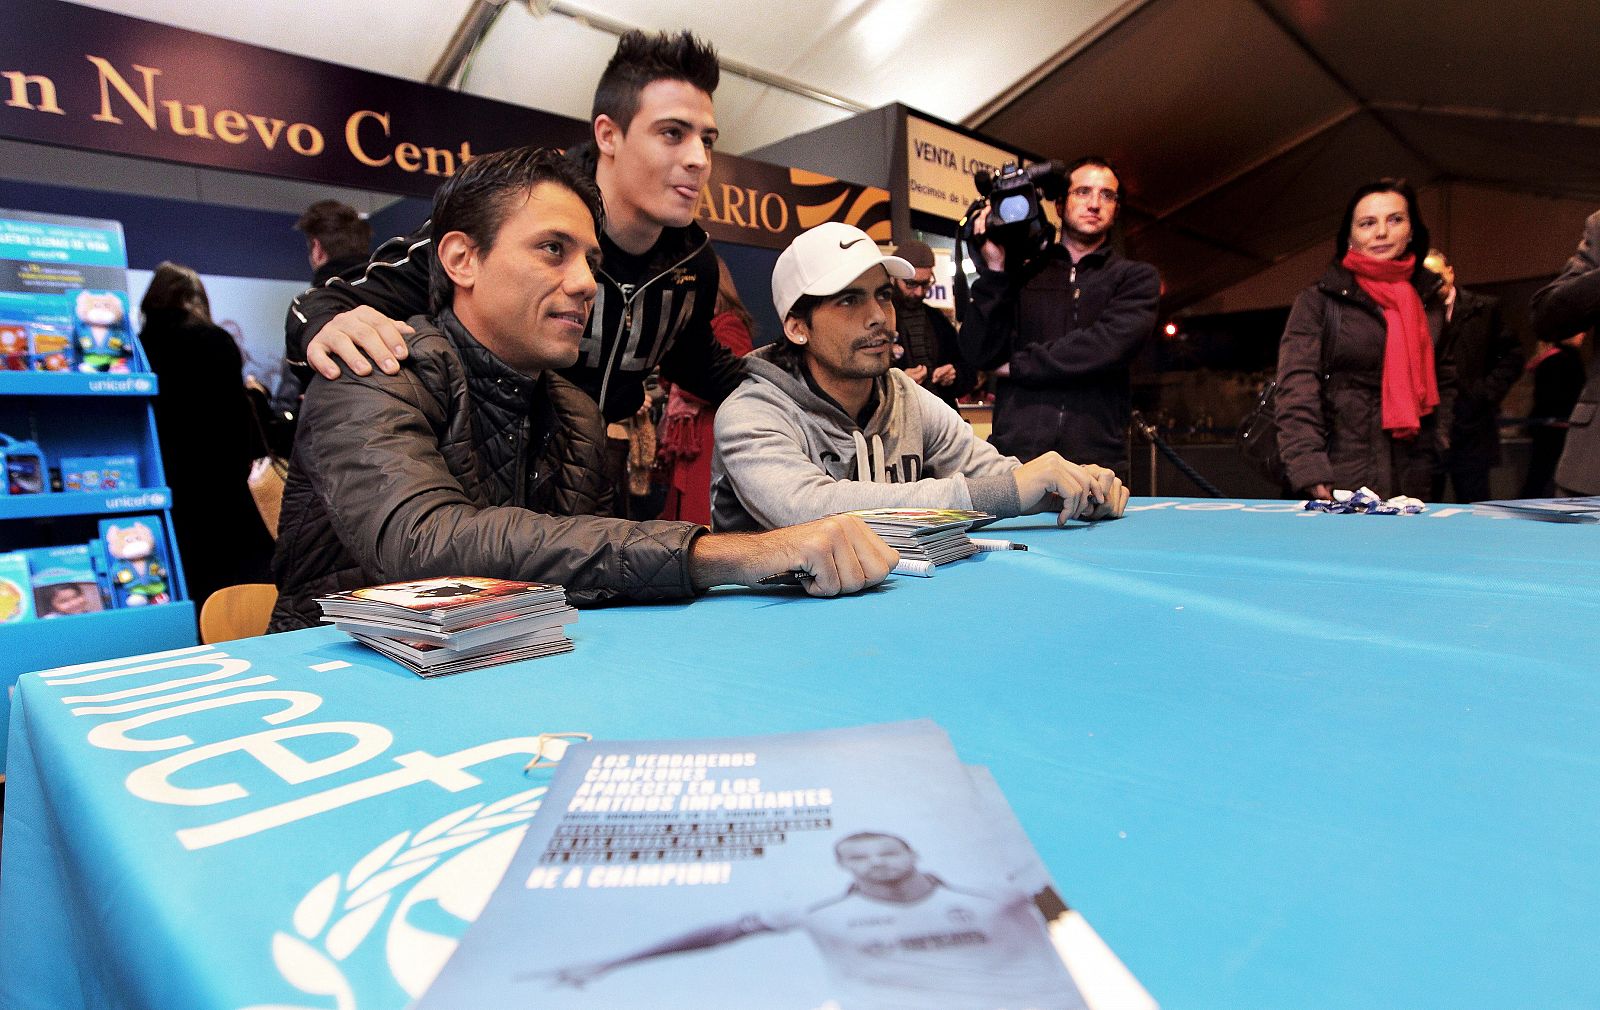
(1243, 125)
(1240, 126)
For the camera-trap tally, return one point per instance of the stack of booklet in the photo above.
(455, 623)
(865, 869)
(1552, 510)
(926, 534)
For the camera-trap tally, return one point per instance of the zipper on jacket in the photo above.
(519, 494)
(1077, 292)
(629, 293)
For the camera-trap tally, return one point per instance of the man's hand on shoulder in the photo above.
(358, 338)
(1085, 491)
(839, 553)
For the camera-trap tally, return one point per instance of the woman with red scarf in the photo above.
(1357, 383)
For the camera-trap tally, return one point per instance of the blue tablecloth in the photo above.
(1277, 760)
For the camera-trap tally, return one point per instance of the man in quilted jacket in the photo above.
(477, 458)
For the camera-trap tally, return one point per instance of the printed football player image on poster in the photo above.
(900, 937)
(856, 869)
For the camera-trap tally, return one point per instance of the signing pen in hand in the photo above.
(905, 566)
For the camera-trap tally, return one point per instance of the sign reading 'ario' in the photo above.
(77, 77)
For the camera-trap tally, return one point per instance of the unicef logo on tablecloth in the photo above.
(452, 865)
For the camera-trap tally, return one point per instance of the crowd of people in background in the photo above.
(1390, 374)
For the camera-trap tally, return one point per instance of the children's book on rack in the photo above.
(65, 580)
(16, 598)
(124, 569)
(455, 623)
(852, 868)
(926, 534)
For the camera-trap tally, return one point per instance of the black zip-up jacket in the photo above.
(460, 465)
(1071, 332)
(650, 310)
(354, 267)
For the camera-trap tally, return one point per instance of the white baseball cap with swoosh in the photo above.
(824, 260)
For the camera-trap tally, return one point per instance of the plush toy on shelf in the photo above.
(138, 570)
(13, 347)
(100, 326)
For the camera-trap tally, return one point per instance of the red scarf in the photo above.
(1410, 383)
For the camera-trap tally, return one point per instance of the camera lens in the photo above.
(1012, 208)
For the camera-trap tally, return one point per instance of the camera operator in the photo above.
(1059, 327)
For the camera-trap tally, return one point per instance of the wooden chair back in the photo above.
(237, 612)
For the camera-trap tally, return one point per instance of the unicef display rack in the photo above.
(63, 282)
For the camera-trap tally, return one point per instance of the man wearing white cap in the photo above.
(824, 424)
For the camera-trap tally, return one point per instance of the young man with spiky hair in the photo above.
(654, 128)
(478, 458)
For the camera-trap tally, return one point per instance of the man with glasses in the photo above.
(1061, 330)
(928, 352)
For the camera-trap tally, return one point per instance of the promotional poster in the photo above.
(847, 869)
(64, 295)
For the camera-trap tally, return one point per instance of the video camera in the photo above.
(1012, 209)
(1015, 219)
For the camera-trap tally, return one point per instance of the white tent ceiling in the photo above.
(1240, 125)
(946, 57)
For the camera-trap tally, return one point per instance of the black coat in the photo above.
(930, 340)
(287, 397)
(1566, 306)
(1070, 332)
(208, 435)
(1332, 432)
(1479, 359)
(460, 465)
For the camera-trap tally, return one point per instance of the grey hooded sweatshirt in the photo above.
(785, 455)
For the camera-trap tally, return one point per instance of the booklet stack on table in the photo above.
(1551, 510)
(924, 534)
(863, 869)
(455, 623)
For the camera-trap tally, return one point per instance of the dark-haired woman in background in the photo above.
(208, 436)
(1367, 417)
